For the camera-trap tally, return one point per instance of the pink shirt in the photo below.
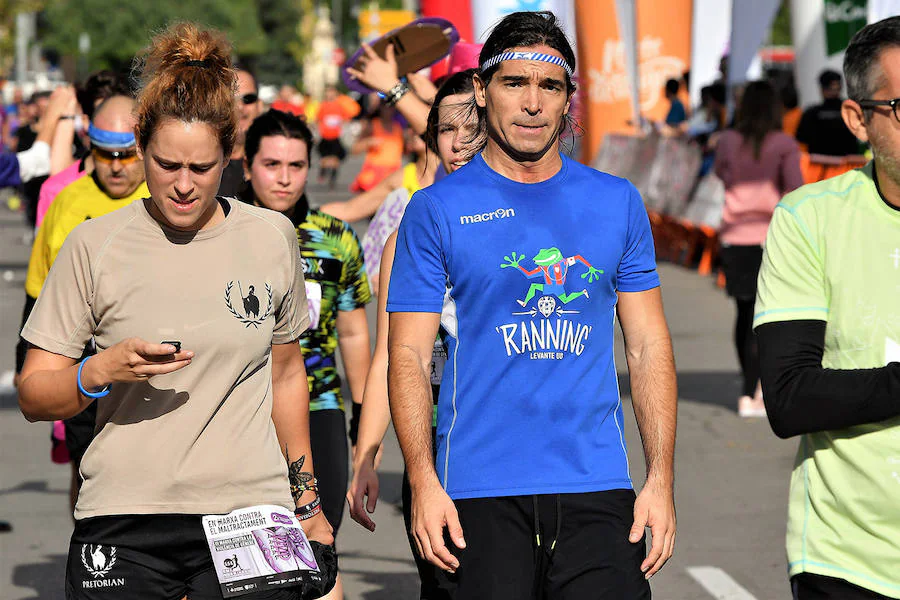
(753, 187)
(54, 185)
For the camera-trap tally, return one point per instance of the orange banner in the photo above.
(664, 52)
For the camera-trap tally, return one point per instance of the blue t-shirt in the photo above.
(676, 113)
(529, 400)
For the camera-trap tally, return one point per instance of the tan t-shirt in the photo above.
(199, 440)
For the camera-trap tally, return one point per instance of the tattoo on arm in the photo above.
(297, 477)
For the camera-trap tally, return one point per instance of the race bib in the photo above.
(259, 548)
(438, 360)
(314, 299)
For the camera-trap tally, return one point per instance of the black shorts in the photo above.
(331, 461)
(741, 267)
(80, 432)
(592, 557)
(332, 148)
(809, 586)
(144, 557)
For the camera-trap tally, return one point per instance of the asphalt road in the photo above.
(731, 474)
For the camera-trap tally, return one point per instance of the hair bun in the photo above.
(186, 74)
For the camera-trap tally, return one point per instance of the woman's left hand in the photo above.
(318, 529)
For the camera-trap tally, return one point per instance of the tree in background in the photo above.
(8, 11)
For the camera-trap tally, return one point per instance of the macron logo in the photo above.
(500, 213)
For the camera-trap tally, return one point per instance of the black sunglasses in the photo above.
(875, 103)
(249, 98)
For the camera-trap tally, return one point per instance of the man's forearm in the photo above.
(655, 398)
(409, 393)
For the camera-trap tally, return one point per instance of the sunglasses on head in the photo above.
(126, 157)
(249, 98)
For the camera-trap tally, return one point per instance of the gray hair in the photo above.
(861, 69)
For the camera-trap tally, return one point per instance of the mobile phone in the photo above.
(171, 343)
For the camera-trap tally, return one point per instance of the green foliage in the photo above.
(8, 11)
(781, 26)
(118, 30)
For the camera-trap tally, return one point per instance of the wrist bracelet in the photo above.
(397, 92)
(310, 514)
(308, 507)
(312, 485)
(81, 389)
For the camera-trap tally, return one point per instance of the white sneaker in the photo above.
(751, 408)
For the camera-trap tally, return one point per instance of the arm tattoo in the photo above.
(298, 478)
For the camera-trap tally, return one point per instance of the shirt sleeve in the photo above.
(9, 171)
(791, 283)
(637, 269)
(292, 313)
(34, 162)
(419, 273)
(62, 321)
(355, 291)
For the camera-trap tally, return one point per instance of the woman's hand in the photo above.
(132, 359)
(379, 74)
(318, 529)
(363, 493)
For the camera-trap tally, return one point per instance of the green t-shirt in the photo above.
(833, 254)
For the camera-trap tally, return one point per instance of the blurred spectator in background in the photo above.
(790, 119)
(334, 111)
(248, 106)
(382, 141)
(9, 133)
(758, 163)
(34, 109)
(289, 101)
(677, 114)
(822, 128)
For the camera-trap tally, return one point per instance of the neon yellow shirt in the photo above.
(833, 254)
(76, 203)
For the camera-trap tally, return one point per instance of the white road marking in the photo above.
(718, 583)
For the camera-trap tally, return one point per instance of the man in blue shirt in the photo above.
(676, 115)
(530, 256)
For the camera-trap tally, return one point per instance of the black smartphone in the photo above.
(171, 343)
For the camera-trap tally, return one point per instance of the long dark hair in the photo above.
(458, 83)
(758, 114)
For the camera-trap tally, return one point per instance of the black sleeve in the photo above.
(22, 345)
(802, 397)
(803, 129)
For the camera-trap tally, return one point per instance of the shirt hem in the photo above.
(177, 509)
(811, 313)
(638, 287)
(860, 579)
(573, 488)
(45, 342)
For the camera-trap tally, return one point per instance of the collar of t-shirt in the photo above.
(878, 189)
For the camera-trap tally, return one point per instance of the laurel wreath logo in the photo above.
(99, 572)
(243, 318)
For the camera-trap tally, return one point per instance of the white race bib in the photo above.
(314, 299)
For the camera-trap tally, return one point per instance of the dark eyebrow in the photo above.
(552, 81)
(166, 161)
(513, 78)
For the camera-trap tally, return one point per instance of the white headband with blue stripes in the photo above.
(547, 58)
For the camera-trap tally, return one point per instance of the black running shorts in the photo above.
(144, 557)
(592, 557)
(332, 148)
(809, 586)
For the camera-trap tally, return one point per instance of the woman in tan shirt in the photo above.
(218, 420)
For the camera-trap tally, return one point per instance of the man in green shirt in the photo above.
(828, 321)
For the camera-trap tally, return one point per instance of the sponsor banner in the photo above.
(385, 222)
(843, 18)
(259, 548)
(663, 52)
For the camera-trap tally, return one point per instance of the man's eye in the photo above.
(168, 166)
(200, 169)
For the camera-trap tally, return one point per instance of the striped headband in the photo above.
(110, 140)
(547, 58)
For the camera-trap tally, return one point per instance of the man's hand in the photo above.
(655, 508)
(432, 510)
(379, 74)
(364, 485)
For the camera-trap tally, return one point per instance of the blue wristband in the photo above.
(81, 389)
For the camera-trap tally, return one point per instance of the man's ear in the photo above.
(855, 119)
(480, 91)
